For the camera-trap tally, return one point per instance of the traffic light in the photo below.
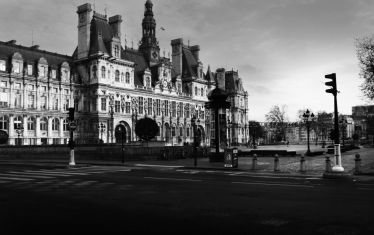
(71, 114)
(332, 83)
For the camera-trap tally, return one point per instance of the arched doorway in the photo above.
(167, 132)
(126, 135)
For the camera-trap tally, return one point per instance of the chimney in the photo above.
(84, 23)
(115, 24)
(221, 80)
(195, 51)
(177, 53)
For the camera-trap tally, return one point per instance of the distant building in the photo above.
(361, 116)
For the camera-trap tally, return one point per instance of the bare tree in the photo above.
(365, 54)
(278, 120)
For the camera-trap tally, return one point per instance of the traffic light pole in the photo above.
(337, 152)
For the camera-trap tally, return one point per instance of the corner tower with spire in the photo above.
(149, 44)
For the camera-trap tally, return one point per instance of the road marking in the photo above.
(176, 179)
(30, 176)
(58, 172)
(367, 189)
(146, 165)
(84, 183)
(236, 173)
(15, 178)
(275, 184)
(37, 173)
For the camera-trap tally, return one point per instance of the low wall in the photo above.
(100, 152)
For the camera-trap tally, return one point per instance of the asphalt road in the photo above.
(137, 200)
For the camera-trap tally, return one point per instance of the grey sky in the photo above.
(282, 48)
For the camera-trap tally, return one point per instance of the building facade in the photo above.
(109, 85)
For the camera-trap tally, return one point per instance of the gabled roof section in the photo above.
(189, 64)
(32, 55)
(101, 34)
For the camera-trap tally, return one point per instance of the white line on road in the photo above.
(37, 173)
(275, 184)
(15, 178)
(146, 165)
(176, 179)
(59, 172)
(21, 175)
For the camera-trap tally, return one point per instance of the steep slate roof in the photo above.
(101, 35)
(232, 82)
(31, 55)
(189, 63)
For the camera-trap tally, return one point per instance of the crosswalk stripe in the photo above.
(15, 178)
(28, 176)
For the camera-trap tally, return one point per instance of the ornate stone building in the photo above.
(109, 84)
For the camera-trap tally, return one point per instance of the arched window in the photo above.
(4, 123)
(65, 125)
(18, 123)
(103, 72)
(43, 124)
(31, 124)
(94, 71)
(195, 91)
(55, 124)
(127, 77)
(117, 76)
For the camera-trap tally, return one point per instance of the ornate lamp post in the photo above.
(111, 112)
(19, 130)
(193, 124)
(308, 119)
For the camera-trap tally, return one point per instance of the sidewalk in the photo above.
(287, 165)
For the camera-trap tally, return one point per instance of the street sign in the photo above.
(3, 137)
(72, 126)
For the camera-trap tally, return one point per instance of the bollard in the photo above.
(254, 162)
(357, 164)
(302, 165)
(328, 164)
(276, 163)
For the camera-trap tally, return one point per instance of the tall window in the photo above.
(17, 100)
(148, 82)
(117, 106)
(43, 102)
(128, 107)
(116, 51)
(127, 77)
(31, 101)
(188, 131)
(29, 69)
(141, 105)
(43, 124)
(17, 122)
(55, 124)
(65, 125)
(158, 107)
(195, 91)
(180, 114)
(173, 108)
(187, 110)
(66, 104)
(122, 77)
(180, 131)
(103, 104)
(173, 131)
(55, 104)
(166, 108)
(3, 98)
(149, 106)
(202, 91)
(4, 123)
(103, 72)
(117, 76)
(17, 67)
(31, 124)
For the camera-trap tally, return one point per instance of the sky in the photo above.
(281, 48)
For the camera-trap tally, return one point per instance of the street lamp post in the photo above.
(121, 130)
(308, 118)
(19, 130)
(101, 127)
(193, 123)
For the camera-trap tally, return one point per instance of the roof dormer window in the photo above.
(17, 67)
(29, 69)
(53, 73)
(116, 51)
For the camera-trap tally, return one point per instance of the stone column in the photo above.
(24, 100)
(11, 130)
(25, 130)
(61, 130)
(37, 131)
(50, 136)
(10, 95)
